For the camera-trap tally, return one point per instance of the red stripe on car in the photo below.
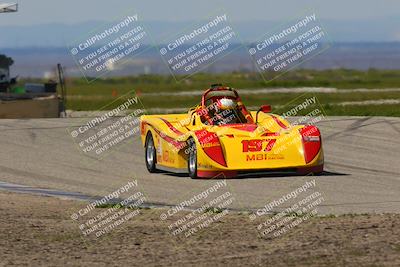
(278, 121)
(171, 127)
(169, 139)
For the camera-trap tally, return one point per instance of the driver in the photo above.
(226, 112)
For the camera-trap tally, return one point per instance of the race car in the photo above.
(221, 138)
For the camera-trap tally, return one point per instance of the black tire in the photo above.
(192, 159)
(150, 155)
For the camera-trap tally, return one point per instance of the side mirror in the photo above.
(265, 109)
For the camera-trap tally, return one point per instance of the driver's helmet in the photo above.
(225, 112)
(226, 103)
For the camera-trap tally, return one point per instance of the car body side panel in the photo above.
(169, 138)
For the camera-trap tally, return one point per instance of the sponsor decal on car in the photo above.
(263, 156)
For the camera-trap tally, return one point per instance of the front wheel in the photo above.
(150, 154)
(192, 159)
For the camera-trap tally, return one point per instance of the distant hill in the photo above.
(60, 35)
(38, 62)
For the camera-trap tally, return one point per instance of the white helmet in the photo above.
(226, 103)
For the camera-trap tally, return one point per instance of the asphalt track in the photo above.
(362, 163)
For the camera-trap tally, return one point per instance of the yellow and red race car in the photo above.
(220, 137)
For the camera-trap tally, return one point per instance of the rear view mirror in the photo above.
(266, 108)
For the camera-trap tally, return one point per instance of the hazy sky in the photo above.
(74, 11)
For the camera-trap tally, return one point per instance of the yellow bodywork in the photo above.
(171, 132)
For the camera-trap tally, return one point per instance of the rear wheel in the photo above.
(192, 159)
(150, 154)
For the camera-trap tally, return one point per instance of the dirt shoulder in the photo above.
(38, 231)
